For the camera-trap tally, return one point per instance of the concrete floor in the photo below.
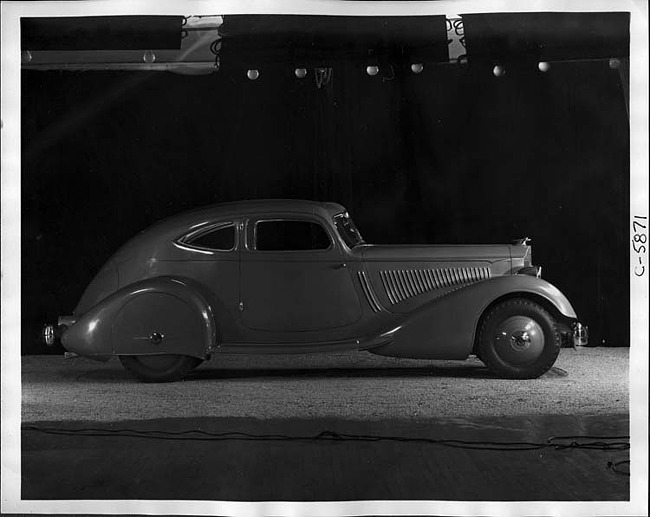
(353, 385)
(299, 397)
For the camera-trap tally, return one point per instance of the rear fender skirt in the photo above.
(445, 328)
(161, 315)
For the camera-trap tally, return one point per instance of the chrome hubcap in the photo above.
(519, 340)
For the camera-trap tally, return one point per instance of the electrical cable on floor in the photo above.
(604, 443)
(613, 466)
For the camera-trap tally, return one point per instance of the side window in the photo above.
(290, 236)
(217, 239)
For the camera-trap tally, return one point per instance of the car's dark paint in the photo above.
(159, 294)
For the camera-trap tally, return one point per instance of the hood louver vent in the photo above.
(403, 284)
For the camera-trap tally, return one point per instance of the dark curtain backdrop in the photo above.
(452, 155)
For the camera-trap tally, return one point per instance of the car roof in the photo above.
(256, 206)
(165, 231)
(186, 220)
(275, 205)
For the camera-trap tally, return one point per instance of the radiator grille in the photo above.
(401, 284)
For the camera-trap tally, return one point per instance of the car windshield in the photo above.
(347, 230)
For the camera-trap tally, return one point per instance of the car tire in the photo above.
(518, 339)
(159, 368)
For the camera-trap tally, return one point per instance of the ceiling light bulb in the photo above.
(372, 70)
(149, 57)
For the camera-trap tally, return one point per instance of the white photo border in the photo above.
(11, 253)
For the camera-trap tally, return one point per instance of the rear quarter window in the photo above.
(221, 238)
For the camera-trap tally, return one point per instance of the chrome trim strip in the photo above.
(404, 280)
(401, 284)
(410, 276)
(396, 290)
(426, 280)
(388, 286)
(418, 281)
(184, 241)
(374, 295)
(367, 290)
(440, 279)
(389, 291)
(364, 287)
(403, 295)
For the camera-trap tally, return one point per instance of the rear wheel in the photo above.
(518, 339)
(159, 368)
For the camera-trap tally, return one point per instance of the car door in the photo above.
(294, 276)
(209, 255)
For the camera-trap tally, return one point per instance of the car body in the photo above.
(293, 276)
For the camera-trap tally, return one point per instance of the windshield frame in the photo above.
(347, 230)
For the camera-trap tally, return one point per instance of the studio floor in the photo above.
(345, 426)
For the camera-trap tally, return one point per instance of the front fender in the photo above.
(161, 315)
(445, 327)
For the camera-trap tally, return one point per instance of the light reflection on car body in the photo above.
(206, 282)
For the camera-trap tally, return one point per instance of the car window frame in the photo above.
(251, 233)
(182, 243)
(339, 235)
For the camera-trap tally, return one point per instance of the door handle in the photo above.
(342, 265)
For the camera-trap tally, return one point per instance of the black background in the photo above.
(452, 155)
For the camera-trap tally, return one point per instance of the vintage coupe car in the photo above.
(289, 276)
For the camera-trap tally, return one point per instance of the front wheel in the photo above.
(518, 339)
(159, 368)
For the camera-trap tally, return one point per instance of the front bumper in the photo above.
(51, 334)
(574, 335)
(579, 335)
